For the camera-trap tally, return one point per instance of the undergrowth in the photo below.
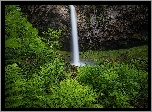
(38, 76)
(117, 85)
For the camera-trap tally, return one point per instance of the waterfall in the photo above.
(74, 40)
(75, 45)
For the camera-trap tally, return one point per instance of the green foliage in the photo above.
(14, 86)
(70, 94)
(21, 92)
(22, 43)
(35, 74)
(53, 73)
(24, 47)
(31, 93)
(119, 84)
(19, 31)
(17, 26)
(36, 96)
(137, 56)
(12, 43)
(51, 37)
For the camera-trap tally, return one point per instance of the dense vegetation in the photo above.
(37, 74)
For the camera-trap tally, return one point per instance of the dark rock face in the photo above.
(99, 26)
(49, 16)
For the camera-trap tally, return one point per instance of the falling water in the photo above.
(75, 45)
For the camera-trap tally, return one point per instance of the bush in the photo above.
(24, 93)
(17, 26)
(53, 73)
(20, 37)
(36, 97)
(117, 85)
(70, 94)
(22, 43)
(51, 38)
(14, 86)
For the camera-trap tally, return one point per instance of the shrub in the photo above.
(22, 43)
(24, 93)
(70, 94)
(14, 86)
(31, 92)
(20, 37)
(51, 37)
(118, 84)
(53, 73)
(36, 97)
(17, 26)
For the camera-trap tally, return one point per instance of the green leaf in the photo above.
(12, 43)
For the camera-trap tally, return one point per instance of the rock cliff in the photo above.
(99, 26)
